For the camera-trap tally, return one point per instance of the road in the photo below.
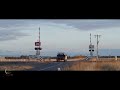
(53, 66)
(45, 66)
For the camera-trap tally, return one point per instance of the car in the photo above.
(61, 56)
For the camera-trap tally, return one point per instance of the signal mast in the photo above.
(37, 46)
(91, 47)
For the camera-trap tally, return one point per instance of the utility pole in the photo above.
(97, 36)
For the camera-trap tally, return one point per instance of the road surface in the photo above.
(55, 66)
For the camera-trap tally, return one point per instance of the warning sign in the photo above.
(37, 43)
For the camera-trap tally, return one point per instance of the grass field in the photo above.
(93, 65)
(14, 67)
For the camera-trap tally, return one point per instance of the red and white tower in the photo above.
(37, 46)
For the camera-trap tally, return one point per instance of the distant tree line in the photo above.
(108, 56)
(21, 57)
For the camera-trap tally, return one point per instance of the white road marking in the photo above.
(59, 69)
(50, 66)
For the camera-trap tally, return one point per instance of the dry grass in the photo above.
(77, 57)
(108, 65)
(14, 68)
(94, 65)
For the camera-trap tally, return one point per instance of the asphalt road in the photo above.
(53, 66)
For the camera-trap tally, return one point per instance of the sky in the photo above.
(72, 36)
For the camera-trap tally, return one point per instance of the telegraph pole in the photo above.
(97, 36)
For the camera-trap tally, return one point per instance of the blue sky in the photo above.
(17, 36)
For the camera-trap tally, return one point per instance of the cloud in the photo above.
(81, 24)
(10, 22)
(89, 24)
(12, 29)
(10, 35)
(21, 23)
